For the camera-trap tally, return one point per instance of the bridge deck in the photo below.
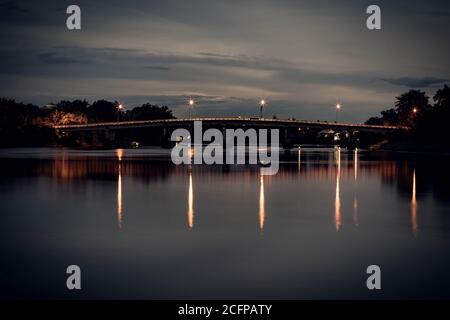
(237, 121)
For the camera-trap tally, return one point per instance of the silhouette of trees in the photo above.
(27, 124)
(18, 124)
(388, 118)
(409, 108)
(432, 125)
(413, 109)
(149, 112)
(15, 115)
(63, 113)
(76, 106)
(442, 99)
(103, 111)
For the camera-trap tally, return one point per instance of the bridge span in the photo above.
(230, 122)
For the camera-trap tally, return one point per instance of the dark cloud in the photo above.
(411, 82)
(443, 14)
(157, 68)
(12, 7)
(196, 68)
(57, 58)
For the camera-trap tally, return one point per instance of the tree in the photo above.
(65, 118)
(442, 98)
(388, 118)
(428, 123)
(103, 111)
(76, 106)
(432, 127)
(374, 121)
(150, 112)
(17, 124)
(410, 106)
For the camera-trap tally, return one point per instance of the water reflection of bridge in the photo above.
(307, 166)
(351, 170)
(334, 167)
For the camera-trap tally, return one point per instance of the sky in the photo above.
(303, 57)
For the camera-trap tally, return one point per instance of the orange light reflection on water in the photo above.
(337, 200)
(190, 203)
(119, 153)
(414, 222)
(262, 211)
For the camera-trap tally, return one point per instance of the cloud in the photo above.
(419, 82)
(435, 13)
(134, 56)
(199, 64)
(57, 58)
(163, 68)
(12, 7)
(208, 72)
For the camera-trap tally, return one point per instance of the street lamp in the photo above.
(190, 106)
(120, 108)
(338, 107)
(262, 104)
(414, 110)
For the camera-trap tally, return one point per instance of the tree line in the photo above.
(28, 124)
(427, 119)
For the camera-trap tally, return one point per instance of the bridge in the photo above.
(230, 122)
(292, 131)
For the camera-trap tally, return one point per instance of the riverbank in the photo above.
(410, 146)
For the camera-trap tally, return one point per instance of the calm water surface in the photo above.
(140, 227)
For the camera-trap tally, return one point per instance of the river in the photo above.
(141, 227)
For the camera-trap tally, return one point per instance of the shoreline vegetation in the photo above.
(428, 122)
(28, 125)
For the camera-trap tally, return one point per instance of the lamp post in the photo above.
(415, 111)
(338, 107)
(262, 104)
(119, 111)
(190, 106)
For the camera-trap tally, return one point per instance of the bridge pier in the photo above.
(110, 135)
(165, 140)
(353, 140)
(286, 141)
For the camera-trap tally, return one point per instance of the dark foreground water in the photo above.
(140, 227)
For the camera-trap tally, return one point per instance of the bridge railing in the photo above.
(255, 120)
